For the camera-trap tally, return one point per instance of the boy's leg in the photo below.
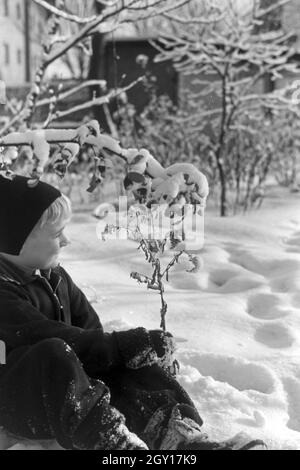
(146, 394)
(160, 411)
(46, 394)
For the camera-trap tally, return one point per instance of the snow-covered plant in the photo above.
(172, 189)
(224, 55)
(259, 153)
(252, 153)
(155, 251)
(286, 141)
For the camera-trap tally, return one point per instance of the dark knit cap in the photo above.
(21, 207)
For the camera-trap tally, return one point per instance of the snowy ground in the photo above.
(237, 321)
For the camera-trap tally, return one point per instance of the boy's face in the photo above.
(42, 248)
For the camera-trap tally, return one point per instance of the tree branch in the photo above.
(73, 91)
(62, 14)
(96, 101)
(263, 12)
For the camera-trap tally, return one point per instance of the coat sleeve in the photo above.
(21, 324)
(82, 313)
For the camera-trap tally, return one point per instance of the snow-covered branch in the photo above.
(262, 12)
(173, 186)
(101, 100)
(156, 12)
(63, 14)
(64, 95)
(82, 33)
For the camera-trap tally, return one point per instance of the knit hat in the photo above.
(21, 207)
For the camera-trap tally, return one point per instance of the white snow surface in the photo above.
(236, 321)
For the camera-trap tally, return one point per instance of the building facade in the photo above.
(22, 26)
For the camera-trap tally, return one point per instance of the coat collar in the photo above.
(9, 271)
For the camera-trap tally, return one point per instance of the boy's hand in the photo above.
(164, 346)
(141, 348)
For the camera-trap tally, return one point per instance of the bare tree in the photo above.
(56, 45)
(225, 54)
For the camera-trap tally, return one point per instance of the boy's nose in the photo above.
(64, 242)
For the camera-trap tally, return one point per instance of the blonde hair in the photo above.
(59, 210)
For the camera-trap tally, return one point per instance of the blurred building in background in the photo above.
(22, 26)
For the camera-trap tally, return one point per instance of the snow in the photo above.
(236, 321)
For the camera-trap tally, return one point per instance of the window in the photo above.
(6, 7)
(19, 11)
(6, 54)
(19, 56)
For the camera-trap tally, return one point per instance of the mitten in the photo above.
(164, 346)
(135, 348)
(141, 348)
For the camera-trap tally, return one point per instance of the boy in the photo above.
(65, 378)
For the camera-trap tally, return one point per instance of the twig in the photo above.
(62, 96)
(97, 101)
(62, 14)
(171, 264)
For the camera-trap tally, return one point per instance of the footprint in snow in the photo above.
(238, 373)
(232, 280)
(293, 243)
(267, 307)
(287, 281)
(293, 249)
(275, 335)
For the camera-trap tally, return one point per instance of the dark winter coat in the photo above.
(34, 307)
